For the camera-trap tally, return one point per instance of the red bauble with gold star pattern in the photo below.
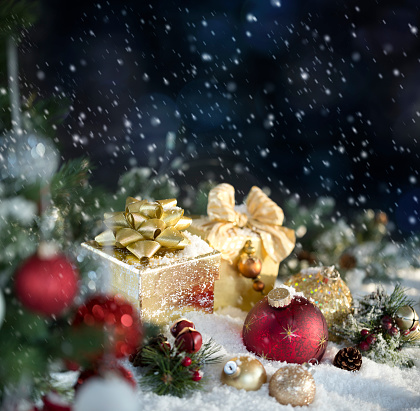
(286, 327)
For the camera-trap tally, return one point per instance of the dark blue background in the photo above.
(313, 97)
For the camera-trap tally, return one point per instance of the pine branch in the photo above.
(16, 15)
(398, 299)
(168, 376)
(376, 314)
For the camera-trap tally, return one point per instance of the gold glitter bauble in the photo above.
(244, 373)
(329, 292)
(293, 385)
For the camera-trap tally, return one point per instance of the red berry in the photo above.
(179, 325)
(364, 332)
(386, 322)
(197, 375)
(165, 346)
(186, 362)
(364, 346)
(394, 331)
(189, 340)
(371, 339)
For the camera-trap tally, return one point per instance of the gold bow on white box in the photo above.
(263, 216)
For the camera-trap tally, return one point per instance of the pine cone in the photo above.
(137, 358)
(349, 359)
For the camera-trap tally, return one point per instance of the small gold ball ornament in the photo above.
(294, 385)
(249, 265)
(406, 318)
(244, 373)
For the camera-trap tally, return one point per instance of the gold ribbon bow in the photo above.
(263, 216)
(144, 227)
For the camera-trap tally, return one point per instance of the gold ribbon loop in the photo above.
(127, 236)
(135, 220)
(183, 223)
(111, 214)
(170, 238)
(142, 223)
(263, 216)
(151, 210)
(144, 249)
(150, 229)
(172, 215)
(130, 200)
(134, 206)
(106, 238)
(167, 204)
(117, 221)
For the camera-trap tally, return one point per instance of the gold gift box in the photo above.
(232, 289)
(166, 286)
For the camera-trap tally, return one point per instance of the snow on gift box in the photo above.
(163, 271)
(252, 240)
(285, 326)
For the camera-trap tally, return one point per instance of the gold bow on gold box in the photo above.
(227, 230)
(142, 251)
(144, 227)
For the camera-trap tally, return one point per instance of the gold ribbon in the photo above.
(263, 216)
(144, 227)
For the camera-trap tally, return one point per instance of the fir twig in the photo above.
(397, 299)
(372, 315)
(168, 376)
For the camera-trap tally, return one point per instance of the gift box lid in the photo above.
(198, 249)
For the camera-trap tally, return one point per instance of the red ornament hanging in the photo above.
(47, 285)
(286, 327)
(103, 370)
(118, 317)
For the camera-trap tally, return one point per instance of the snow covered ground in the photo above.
(374, 387)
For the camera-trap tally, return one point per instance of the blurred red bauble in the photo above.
(189, 340)
(179, 325)
(104, 370)
(54, 402)
(117, 317)
(46, 285)
(284, 327)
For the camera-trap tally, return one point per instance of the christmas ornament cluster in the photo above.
(178, 368)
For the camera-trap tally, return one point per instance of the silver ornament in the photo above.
(27, 157)
(406, 318)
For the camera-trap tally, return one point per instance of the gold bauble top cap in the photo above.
(330, 272)
(279, 297)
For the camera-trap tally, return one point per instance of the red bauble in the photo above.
(189, 340)
(46, 286)
(296, 332)
(104, 369)
(118, 317)
(54, 402)
(179, 325)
